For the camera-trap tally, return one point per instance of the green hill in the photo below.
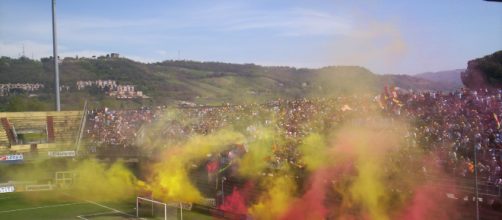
(485, 72)
(200, 82)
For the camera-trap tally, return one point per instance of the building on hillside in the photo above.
(64, 88)
(101, 84)
(112, 88)
(5, 89)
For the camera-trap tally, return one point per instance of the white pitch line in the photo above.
(80, 217)
(101, 205)
(42, 207)
(94, 214)
(106, 207)
(101, 213)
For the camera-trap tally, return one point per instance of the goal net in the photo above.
(151, 209)
(64, 179)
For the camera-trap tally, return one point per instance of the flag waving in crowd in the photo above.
(497, 121)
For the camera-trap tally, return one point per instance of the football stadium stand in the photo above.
(23, 132)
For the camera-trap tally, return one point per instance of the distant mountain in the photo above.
(206, 82)
(450, 78)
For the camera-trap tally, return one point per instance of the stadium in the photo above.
(310, 133)
(215, 162)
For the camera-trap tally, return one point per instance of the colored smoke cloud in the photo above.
(362, 169)
(89, 179)
(275, 201)
(169, 178)
(259, 153)
(99, 182)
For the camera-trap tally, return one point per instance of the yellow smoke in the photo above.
(314, 149)
(374, 43)
(151, 138)
(91, 179)
(171, 182)
(377, 183)
(371, 149)
(275, 201)
(98, 182)
(260, 153)
(169, 178)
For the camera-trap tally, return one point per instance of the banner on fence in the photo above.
(69, 153)
(11, 157)
(7, 189)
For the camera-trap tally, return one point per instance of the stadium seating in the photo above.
(62, 126)
(4, 140)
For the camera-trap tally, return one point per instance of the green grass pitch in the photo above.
(54, 205)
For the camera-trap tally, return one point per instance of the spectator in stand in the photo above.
(453, 124)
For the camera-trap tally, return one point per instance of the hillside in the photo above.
(450, 78)
(485, 72)
(205, 82)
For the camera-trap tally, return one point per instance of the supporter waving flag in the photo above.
(496, 120)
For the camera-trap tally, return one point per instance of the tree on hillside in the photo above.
(485, 72)
(22, 103)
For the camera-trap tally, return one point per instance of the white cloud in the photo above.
(92, 23)
(291, 22)
(96, 34)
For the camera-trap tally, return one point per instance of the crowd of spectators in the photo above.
(457, 125)
(107, 128)
(454, 125)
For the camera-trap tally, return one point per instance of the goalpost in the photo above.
(64, 179)
(164, 206)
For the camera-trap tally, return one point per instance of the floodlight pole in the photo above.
(181, 211)
(476, 183)
(222, 190)
(137, 207)
(55, 56)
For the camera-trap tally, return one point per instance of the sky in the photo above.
(387, 37)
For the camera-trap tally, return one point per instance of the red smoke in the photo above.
(429, 202)
(312, 204)
(236, 202)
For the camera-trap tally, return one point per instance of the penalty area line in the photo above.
(100, 205)
(110, 208)
(94, 214)
(89, 216)
(42, 207)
